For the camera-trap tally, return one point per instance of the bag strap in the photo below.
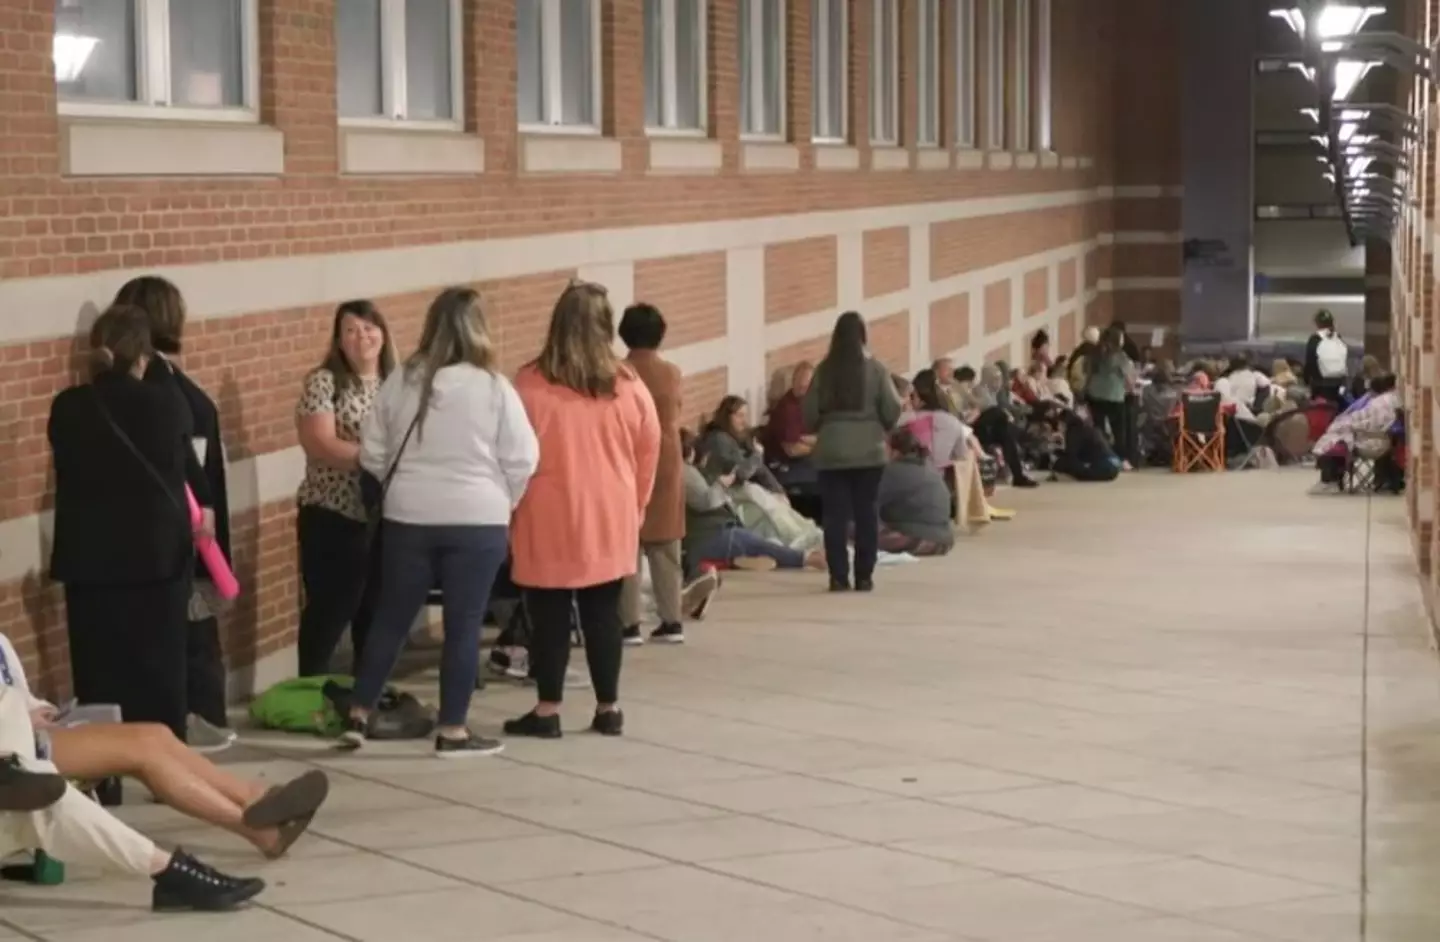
(6, 676)
(130, 445)
(399, 453)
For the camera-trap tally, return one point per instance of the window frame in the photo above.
(967, 75)
(669, 71)
(879, 8)
(394, 76)
(551, 44)
(928, 68)
(995, 62)
(819, 42)
(754, 10)
(1043, 104)
(1023, 123)
(152, 74)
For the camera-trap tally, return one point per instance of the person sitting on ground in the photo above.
(945, 375)
(1370, 416)
(915, 501)
(1158, 402)
(783, 436)
(1087, 455)
(1242, 384)
(983, 407)
(728, 438)
(40, 811)
(271, 819)
(714, 532)
(1282, 374)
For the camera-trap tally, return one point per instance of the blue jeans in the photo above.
(462, 561)
(733, 542)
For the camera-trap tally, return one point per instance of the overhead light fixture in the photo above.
(1335, 19)
(71, 52)
(1348, 73)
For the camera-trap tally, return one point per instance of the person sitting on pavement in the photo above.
(40, 811)
(714, 533)
(729, 439)
(270, 818)
(915, 501)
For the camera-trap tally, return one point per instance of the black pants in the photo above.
(205, 672)
(851, 495)
(337, 570)
(996, 429)
(1092, 472)
(1109, 419)
(553, 614)
(128, 646)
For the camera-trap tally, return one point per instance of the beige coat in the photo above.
(665, 517)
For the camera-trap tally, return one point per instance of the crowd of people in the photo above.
(573, 492)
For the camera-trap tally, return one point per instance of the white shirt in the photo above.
(12, 674)
(1243, 386)
(467, 464)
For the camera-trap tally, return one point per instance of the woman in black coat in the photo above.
(123, 545)
(205, 473)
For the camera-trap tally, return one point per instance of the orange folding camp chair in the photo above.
(1200, 442)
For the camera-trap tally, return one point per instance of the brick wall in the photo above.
(961, 253)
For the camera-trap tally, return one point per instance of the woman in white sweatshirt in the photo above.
(453, 450)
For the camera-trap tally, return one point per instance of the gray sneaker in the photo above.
(205, 737)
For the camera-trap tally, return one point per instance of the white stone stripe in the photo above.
(1142, 237)
(1140, 283)
(52, 307)
(1151, 191)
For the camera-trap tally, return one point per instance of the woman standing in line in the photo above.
(335, 544)
(452, 449)
(209, 727)
(851, 407)
(578, 527)
(123, 545)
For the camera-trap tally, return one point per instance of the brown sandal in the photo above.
(298, 798)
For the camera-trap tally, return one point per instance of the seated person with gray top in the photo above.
(915, 501)
(714, 533)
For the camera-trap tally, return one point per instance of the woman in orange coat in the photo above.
(575, 532)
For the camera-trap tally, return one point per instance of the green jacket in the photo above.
(853, 439)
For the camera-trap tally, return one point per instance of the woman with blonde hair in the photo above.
(576, 531)
(336, 551)
(452, 453)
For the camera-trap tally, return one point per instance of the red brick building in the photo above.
(963, 172)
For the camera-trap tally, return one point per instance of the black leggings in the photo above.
(1109, 417)
(848, 494)
(552, 614)
(337, 570)
(996, 429)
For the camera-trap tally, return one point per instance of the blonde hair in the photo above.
(579, 350)
(455, 332)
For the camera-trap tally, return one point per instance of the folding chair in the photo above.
(1200, 440)
(1360, 461)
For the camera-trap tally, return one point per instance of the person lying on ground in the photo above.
(270, 818)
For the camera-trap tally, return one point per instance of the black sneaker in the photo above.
(187, 885)
(839, 585)
(25, 791)
(353, 736)
(632, 636)
(466, 747)
(1025, 482)
(864, 585)
(669, 633)
(534, 726)
(608, 723)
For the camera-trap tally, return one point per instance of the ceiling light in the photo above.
(1335, 19)
(1348, 74)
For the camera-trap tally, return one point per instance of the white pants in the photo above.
(74, 830)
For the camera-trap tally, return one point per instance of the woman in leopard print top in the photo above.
(335, 550)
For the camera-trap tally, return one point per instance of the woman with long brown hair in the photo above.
(453, 452)
(336, 554)
(576, 531)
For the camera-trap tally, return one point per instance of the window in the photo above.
(885, 72)
(966, 74)
(558, 59)
(829, 58)
(927, 98)
(1044, 51)
(172, 58)
(995, 74)
(1021, 121)
(675, 65)
(398, 60)
(762, 68)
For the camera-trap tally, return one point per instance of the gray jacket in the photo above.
(708, 510)
(914, 501)
(853, 439)
(722, 453)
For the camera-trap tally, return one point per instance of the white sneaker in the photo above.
(696, 597)
(1324, 488)
(205, 737)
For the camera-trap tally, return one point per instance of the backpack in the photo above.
(1332, 357)
(316, 705)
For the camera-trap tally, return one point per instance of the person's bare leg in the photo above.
(178, 776)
